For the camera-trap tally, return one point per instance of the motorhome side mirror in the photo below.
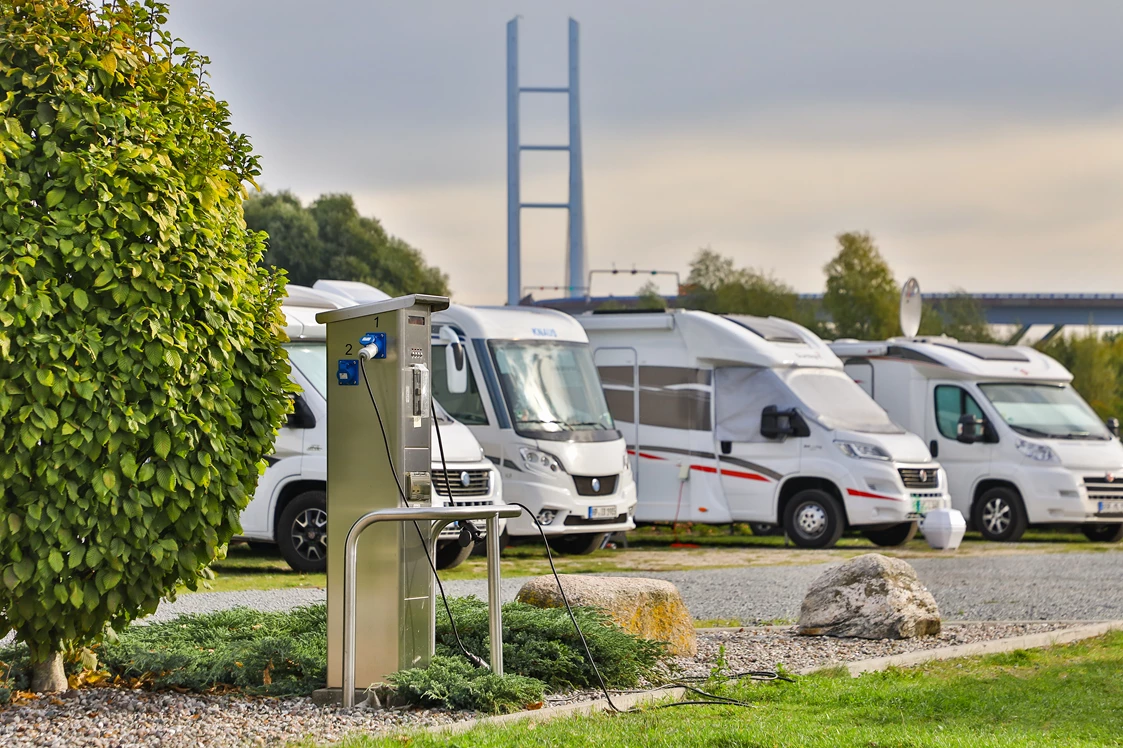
(774, 423)
(456, 363)
(970, 429)
(799, 424)
(302, 416)
(726, 447)
(934, 448)
(1113, 426)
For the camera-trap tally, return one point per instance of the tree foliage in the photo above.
(1096, 363)
(717, 285)
(862, 296)
(959, 317)
(142, 377)
(650, 298)
(329, 239)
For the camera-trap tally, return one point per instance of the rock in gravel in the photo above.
(649, 608)
(869, 597)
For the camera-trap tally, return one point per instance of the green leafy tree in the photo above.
(330, 239)
(650, 298)
(959, 317)
(862, 296)
(1096, 363)
(716, 285)
(142, 377)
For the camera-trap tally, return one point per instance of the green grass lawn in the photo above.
(652, 548)
(1067, 696)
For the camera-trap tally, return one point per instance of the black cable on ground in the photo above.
(472, 658)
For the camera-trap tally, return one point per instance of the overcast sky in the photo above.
(980, 142)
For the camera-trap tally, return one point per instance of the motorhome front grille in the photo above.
(463, 483)
(920, 477)
(577, 519)
(1104, 486)
(588, 485)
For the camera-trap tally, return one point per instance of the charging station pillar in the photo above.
(389, 342)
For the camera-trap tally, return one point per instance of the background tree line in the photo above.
(329, 239)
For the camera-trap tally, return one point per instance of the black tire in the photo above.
(1103, 533)
(891, 536)
(764, 530)
(580, 544)
(813, 519)
(450, 554)
(302, 532)
(1000, 515)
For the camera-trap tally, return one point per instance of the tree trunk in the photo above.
(47, 675)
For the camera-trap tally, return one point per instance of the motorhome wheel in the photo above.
(814, 519)
(892, 535)
(451, 554)
(1103, 533)
(580, 544)
(302, 532)
(999, 515)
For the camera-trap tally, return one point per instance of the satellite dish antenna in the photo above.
(910, 308)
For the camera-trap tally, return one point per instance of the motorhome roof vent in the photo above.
(987, 351)
(774, 331)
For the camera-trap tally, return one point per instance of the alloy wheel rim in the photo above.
(996, 516)
(310, 534)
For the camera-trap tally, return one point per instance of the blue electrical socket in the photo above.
(379, 338)
(348, 372)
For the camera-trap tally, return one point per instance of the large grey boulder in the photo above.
(869, 597)
(648, 608)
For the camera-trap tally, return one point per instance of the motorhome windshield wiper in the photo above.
(596, 424)
(1029, 431)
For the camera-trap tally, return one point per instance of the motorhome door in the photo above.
(965, 463)
(750, 465)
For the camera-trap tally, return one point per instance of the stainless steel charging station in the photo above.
(394, 592)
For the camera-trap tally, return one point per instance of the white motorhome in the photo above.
(1020, 446)
(523, 380)
(289, 507)
(746, 419)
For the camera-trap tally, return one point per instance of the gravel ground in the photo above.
(122, 719)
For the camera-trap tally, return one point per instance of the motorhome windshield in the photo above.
(312, 361)
(552, 389)
(1053, 411)
(834, 399)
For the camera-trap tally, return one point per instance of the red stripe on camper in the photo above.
(867, 495)
(708, 469)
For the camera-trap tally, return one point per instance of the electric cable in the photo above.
(466, 525)
(472, 658)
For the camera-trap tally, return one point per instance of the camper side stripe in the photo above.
(867, 495)
(707, 468)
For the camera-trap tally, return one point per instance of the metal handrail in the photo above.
(441, 516)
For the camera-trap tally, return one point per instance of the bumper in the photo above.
(1058, 495)
(880, 497)
(613, 513)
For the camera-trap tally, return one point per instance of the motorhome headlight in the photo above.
(863, 451)
(540, 462)
(1035, 451)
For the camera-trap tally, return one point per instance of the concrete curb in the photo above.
(622, 701)
(1028, 641)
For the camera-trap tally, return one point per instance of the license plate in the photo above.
(1111, 507)
(602, 512)
(923, 506)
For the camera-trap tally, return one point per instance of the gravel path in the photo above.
(114, 718)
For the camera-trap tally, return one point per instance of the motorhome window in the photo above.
(951, 404)
(987, 351)
(551, 387)
(837, 401)
(311, 359)
(1045, 410)
(671, 397)
(769, 329)
(466, 407)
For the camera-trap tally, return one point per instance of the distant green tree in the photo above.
(650, 298)
(862, 296)
(330, 239)
(1096, 363)
(959, 317)
(716, 285)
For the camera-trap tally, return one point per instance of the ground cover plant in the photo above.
(285, 653)
(1065, 696)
